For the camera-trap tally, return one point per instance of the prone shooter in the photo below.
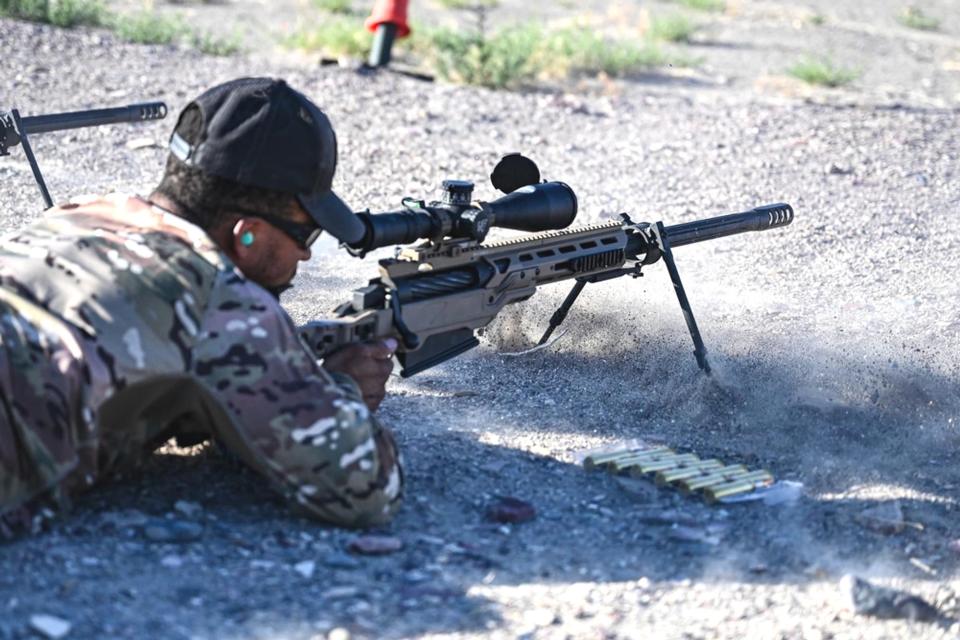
(128, 320)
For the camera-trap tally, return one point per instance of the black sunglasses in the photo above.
(303, 233)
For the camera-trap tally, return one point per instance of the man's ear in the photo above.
(243, 236)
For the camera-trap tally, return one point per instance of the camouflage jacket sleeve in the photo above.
(313, 438)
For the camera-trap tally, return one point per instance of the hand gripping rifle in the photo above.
(432, 297)
(14, 128)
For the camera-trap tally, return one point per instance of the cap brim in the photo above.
(333, 215)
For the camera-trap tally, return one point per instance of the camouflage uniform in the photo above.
(122, 325)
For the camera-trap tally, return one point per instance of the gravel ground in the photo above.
(835, 343)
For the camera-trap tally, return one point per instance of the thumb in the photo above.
(382, 349)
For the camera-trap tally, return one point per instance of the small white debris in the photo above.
(338, 634)
(50, 626)
(540, 617)
(172, 561)
(305, 568)
(141, 143)
(187, 508)
(337, 593)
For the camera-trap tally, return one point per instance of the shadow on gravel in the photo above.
(469, 431)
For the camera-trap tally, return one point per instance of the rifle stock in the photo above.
(432, 298)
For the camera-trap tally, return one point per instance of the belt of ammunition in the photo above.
(742, 484)
(687, 471)
(662, 464)
(599, 459)
(715, 476)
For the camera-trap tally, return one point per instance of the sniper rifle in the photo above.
(434, 296)
(15, 129)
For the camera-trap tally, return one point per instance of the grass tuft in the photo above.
(335, 37)
(148, 27)
(216, 46)
(673, 29)
(469, 5)
(583, 51)
(59, 13)
(915, 18)
(822, 72)
(507, 58)
(342, 7)
(713, 6)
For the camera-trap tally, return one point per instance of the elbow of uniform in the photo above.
(373, 507)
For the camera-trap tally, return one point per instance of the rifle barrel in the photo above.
(94, 117)
(759, 219)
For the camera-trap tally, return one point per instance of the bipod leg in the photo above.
(561, 312)
(30, 157)
(699, 350)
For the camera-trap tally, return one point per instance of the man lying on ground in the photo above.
(125, 321)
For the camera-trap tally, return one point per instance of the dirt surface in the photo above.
(835, 344)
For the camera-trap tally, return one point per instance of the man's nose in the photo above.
(305, 254)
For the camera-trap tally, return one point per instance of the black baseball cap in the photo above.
(262, 133)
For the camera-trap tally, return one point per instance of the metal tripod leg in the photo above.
(699, 350)
(561, 312)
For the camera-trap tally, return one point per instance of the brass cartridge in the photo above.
(716, 476)
(661, 464)
(691, 470)
(620, 464)
(600, 459)
(744, 484)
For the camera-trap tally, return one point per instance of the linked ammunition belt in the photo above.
(686, 472)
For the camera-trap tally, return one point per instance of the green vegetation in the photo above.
(822, 72)
(334, 37)
(672, 29)
(60, 13)
(915, 18)
(504, 59)
(148, 27)
(817, 20)
(715, 6)
(470, 5)
(584, 51)
(145, 27)
(344, 7)
(214, 46)
(510, 57)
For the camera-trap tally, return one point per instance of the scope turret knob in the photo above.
(458, 193)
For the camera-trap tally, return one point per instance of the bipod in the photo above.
(561, 313)
(657, 235)
(699, 350)
(14, 129)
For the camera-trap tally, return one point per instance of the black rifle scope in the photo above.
(534, 207)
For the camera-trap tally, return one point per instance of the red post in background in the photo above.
(387, 21)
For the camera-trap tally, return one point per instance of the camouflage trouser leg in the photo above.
(38, 439)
